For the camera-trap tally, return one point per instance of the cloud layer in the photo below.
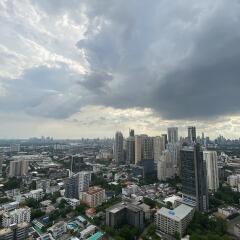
(180, 59)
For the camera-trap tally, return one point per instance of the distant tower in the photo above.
(192, 136)
(173, 135)
(194, 177)
(118, 148)
(1, 162)
(130, 148)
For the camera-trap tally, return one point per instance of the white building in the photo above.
(174, 221)
(10, 206)
(165, 167)
(90, 230)
(16, 216)
(94, 197)
(58, 229)
(131, 189)
(233, 180)
(37, 194)
(212, 169)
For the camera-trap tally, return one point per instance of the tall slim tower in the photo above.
(118, 148)
(173, 135)
(159, 147)
(130, 148)
(194, 177)
(210, 157)
(192, 136)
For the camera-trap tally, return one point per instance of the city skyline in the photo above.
(88, 68)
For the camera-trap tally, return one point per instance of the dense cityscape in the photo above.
(134, 187)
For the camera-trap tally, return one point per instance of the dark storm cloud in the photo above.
(182, 62)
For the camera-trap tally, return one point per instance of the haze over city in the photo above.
(73, 69)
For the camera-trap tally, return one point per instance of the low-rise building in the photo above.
(58, 229)
(174, 221)
(94, 196)
(73, 202)
(90, 230)
(37, 194)
(10, 206)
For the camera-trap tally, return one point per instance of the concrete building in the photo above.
(118, 148)
(165, 168)
(194, 177)
(58, 229)
(1, 163)
(10, 206)
(18, 168)
(174, 149)
(130, 148)
(172, 135)
(125, 213)
(76, 184)
(94, 196)
(15, 232)
(174, 221)
(159, 147)
(37, 194)
(16, 216)
(210, 157)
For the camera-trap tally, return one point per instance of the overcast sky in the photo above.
(71, 68)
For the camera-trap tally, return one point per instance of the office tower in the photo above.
(194, 177)
(118, 148)
(130, 148)
(192, 136)
(174, 221)
(174, 149)
(165, 169)
(138, 149)
(16, 216)
(18, 168)
(173, 135)
(125, 213)
(210, 157)
(76, 184)
(159, 147)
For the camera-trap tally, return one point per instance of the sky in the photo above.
(72, 69)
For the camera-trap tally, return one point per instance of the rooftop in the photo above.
(177, 214)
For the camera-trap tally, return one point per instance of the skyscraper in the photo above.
(1, 162)
(192, 136)
(165, 169)
(159, 147)
(118, 148)
(194, 177)
(210, 157)
(173, 135)
(130, 148)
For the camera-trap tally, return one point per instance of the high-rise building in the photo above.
(118, 148)
(18, 168)
(76, 184)
(174, 149)
(192, 136)
(138, 148)
(159, 147)
(130, 148)
(173, 135)
(16, 216)
(210, 157)
(165, 169)
(194, 177)
(165, 139)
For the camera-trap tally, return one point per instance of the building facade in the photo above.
(194, 177)
(210, 157)
(118, 148)
(172, 135)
